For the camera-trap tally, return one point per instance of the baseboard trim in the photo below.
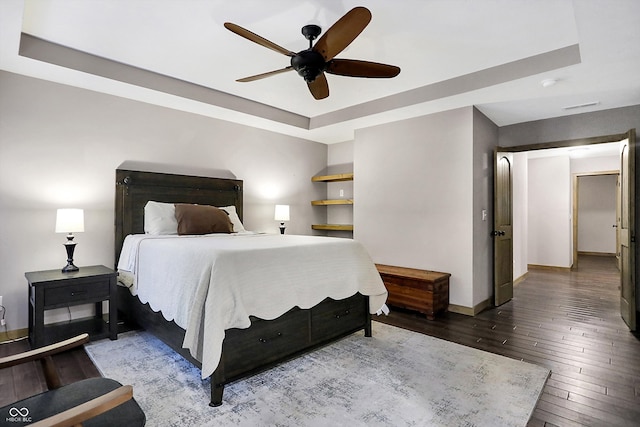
(13, 335)
(596, 253)
(520, 279)
(470, 311)
(548, 267)
(460, 309)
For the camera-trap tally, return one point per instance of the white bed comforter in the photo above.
(208, 284)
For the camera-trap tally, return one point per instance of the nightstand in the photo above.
(54, 289)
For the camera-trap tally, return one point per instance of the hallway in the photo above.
(568, 322)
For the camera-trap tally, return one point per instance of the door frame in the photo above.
(566, 143)
(574, 204)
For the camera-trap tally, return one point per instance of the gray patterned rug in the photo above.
(396, 378)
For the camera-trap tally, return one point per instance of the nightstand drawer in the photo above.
(77, 293)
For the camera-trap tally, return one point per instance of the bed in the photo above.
(227, 332)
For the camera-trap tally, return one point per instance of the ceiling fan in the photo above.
(312, 63)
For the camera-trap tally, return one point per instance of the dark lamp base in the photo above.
(70, 245)
(69, 268)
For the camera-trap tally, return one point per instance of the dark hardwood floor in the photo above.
(568, 322)
(27, 379)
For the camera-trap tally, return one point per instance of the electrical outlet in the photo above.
(341, 193)
(0, 299)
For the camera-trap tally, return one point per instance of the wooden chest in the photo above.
(421, 290)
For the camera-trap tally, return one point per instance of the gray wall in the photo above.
(339, 160)
(485, 135)
(420, 186)
(60, 146)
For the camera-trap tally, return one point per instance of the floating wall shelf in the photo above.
(332, 202)
(333, 178)
(333, 227)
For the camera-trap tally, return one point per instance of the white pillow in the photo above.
(233, 216)
(160, 218)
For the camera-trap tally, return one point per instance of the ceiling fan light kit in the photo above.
(312, 63)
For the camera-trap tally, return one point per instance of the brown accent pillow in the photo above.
(202, 219)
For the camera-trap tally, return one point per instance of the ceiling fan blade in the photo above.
(319, 87)
(263, 75)
(343, 32)
(256, 38)
(355, 68)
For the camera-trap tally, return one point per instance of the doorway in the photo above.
(626, 222)
(595, 214)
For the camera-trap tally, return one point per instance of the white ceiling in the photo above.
(453, 53)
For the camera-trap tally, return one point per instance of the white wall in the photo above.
(60, 146)
(549, 202)
(597, 213)
(414, 189)
(520, 214)
(587, 165)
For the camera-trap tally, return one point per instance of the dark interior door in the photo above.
(627, 231)
(503, 228)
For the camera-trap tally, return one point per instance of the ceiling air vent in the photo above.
(586, 104)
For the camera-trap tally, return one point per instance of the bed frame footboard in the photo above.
(266, 343)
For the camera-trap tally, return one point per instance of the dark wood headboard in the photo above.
(135, 188)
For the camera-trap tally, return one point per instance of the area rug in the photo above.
(396, 378)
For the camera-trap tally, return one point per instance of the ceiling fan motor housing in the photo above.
(309, 64)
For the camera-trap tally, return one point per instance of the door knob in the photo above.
(498, 233)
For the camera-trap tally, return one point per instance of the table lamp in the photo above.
(70, 221)
(282, 214)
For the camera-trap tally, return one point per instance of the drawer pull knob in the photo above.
(346, 313)
(266, 340)
(75, 293)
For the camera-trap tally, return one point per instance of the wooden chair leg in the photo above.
(50, 373)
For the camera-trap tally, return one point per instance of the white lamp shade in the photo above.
(282, 213)
(70, 221)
